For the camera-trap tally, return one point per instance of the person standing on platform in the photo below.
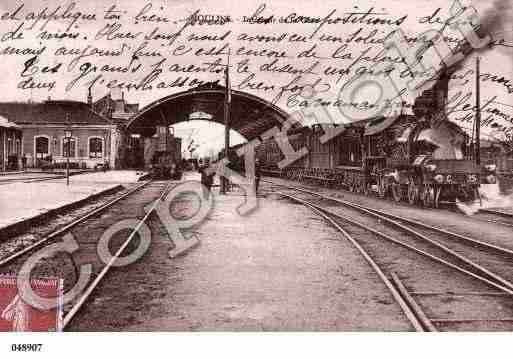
(257, 175)
(206, 180)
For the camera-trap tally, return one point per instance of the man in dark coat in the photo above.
(207, 180)
(258, 174)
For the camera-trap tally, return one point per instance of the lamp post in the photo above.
(67, 136)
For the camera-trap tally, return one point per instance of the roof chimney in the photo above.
(90, 98)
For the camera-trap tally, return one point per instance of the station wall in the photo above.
(90, 146)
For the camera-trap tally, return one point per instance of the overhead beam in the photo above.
(250, 115)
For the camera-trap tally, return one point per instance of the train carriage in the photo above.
(404, 158)
(422, 158)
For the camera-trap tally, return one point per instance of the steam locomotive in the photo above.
(400, 158)
(164, 149)
(422, 158)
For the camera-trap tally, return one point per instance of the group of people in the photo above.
(207, 178)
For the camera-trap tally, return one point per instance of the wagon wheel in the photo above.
(437, 190)
(382, 188)
(349, 186)
(422, 194)
(367, 189)
(359, 187)
(396, 192)
(370, 191)
(356, 187)
(413, 192)
(429, 196)
(362, 186)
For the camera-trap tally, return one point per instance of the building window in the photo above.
(42, 144)
(95, 147)
(70, 143)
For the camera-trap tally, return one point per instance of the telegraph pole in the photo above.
(227, 107)
(477, 148)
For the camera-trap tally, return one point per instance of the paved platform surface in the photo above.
(36, 172)
(25, 176)
(10, 173)
(122, 176)
(281, 268)
(20, 201)
(443, 218)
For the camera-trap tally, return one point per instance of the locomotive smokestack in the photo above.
(478, 115)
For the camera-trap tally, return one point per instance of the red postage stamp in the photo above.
(16, 315)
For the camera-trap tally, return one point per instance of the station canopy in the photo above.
(250, 115)
(5, 123)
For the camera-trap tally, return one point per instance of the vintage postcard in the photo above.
(284, 166)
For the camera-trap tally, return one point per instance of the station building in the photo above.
(44, 125)
(98, 134)
(119, 112)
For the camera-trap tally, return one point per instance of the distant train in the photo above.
(166, 154)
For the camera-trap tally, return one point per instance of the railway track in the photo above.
(30, 179)
(89, 291)
(498, 213)
(497, 217)
(442, 280)
(93, 219)
(502, 218)
(66, 228)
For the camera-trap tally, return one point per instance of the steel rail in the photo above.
(388, 217)
(69, 226)
(90, 289)
(499, 213)
(478, 242)
(413, 304)
(494, 221)
(469, 320)
(407, 220)
(410, 315)
(413, 307)
(403, 244)
(29, 179)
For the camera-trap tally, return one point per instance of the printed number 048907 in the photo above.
(26, 347)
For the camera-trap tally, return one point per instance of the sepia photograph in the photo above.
(316, 170)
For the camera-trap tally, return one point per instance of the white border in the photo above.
(263, 345)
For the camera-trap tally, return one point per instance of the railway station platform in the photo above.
(29, 197)
(279, 268)
(26, 176)
(449, 219)
(34, 174)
